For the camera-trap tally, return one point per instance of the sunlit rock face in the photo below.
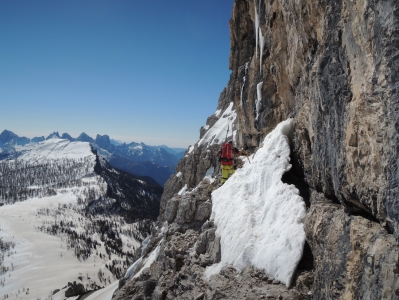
(331, 66)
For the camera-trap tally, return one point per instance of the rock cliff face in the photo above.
(332, 66)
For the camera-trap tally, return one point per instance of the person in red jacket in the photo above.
(226, 158)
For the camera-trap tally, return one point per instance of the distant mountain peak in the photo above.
(7, 136)
(5, 131)
(66, 136)
(83, 137)
(54, 135)
(10, 137)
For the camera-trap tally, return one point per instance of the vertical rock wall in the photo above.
(333, 67)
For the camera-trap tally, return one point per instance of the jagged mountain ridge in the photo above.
(139, 159)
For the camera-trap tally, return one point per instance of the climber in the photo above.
(226, 158)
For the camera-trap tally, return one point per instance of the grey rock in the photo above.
(333, 68)
(353, 255)
(203, 211)
(186, 210)
(171, 209)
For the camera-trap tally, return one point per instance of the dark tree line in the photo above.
(78, 233)
(6, 248)
(20, 179)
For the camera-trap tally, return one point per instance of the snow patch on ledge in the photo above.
(218, 132)
(183, 191)
(148, 261)
(258, 217)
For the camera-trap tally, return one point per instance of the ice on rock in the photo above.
(256, 29)
(259, 98)
(261, 46)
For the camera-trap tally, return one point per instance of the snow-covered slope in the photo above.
(258, 217)
(42, 169)
(42, 261)
(65, 219)
(55, 148)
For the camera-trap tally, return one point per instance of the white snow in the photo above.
(178, 175)
(130, 271)
(209, 173)
(191, 149)
(218, 132)
(148, 261)
(55, 149)
(258, 217)
(41, 262)
(217, 113)
(139, 147)
(145, 243)
(182, 192)
(105, 293)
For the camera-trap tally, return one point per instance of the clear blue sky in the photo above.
(138, 70)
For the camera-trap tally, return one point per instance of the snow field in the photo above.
(56, 149)
(258, 217)
(42, 262)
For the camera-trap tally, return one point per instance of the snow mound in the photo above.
(258, 217)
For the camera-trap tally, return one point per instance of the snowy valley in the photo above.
(67, 216)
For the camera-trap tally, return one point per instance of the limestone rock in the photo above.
(333, 68)
(355, 258)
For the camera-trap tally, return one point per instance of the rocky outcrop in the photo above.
(333, 68)
(74, 289)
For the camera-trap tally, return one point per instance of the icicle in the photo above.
(259, 98)
(243, 83)
(261, 46)
(256, 28)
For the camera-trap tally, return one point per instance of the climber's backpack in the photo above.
(227, 154)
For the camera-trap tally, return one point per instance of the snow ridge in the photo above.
(258, 217)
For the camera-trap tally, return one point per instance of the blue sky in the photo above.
(138, 70)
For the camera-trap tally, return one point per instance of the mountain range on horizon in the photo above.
(135, 158)
(7, 136)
